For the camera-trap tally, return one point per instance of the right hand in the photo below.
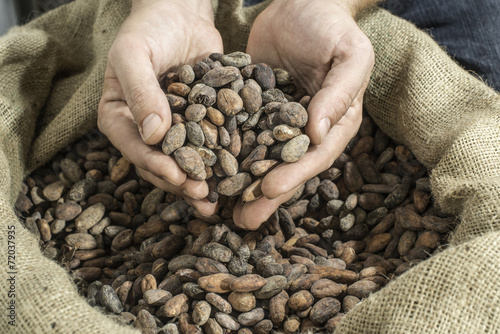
(157, 37)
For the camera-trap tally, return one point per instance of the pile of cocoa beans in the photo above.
(149, 260)
(232, 123)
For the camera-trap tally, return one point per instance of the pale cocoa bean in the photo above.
(227, 321)
(274, 285)
(336, 275)
(109, 299)
(242, 301)
(283, 77)
(220, 303)
(215, 116)
(237, 85)
(201, 313)
(174, 138)
(218, 283)
(211, 134)
(248, 283)
(52, 192)
(234, 185)
(362, 289)
(252, 317)
(156, 297)
(284, 132)
(300, 300)
(217, 252)
(81, 241)
(294, 114)
(295, 148)
(229, 102)
(220, 76)
(252, 192)
(186, 74)
(89, 217)
(237, 59)
(228, 162)
(251, 96)
(174, 306)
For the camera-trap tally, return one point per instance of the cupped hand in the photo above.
(321, 45)
(158, 36)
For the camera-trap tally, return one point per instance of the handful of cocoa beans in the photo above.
(234, 121)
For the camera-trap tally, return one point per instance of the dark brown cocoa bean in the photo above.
(264, 75)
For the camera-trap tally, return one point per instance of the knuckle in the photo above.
(355, 43)
(342, 103)
(138, 102)
(102, 118)
(362, 42)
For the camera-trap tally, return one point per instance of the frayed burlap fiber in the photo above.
(51, 73)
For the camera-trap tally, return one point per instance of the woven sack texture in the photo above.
(51, 73)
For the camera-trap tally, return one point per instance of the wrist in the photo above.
(200, 7)
(354, 7)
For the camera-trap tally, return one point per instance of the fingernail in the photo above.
(324, 127)
(149, 125)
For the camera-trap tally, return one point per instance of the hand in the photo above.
(158, 36)
(321, 45)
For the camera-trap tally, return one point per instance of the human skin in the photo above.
(318, 41)
(158, 36)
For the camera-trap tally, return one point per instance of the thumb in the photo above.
(348, 77)
(143, 94)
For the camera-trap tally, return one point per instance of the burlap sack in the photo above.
(50, 83)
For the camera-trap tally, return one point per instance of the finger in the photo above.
(195, 190)
(115, 121)
(252, 214)
(317, 159)
(199, 188)
(203, 206)
(350, 72)
(132, 66)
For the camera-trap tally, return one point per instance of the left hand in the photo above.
(321, 45)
